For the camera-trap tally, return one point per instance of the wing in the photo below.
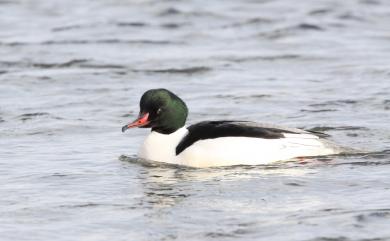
(215, 129)
(282, 128)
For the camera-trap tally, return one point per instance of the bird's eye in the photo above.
(159, 111)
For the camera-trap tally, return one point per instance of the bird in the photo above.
(218, 143)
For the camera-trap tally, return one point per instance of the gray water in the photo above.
(72, 72)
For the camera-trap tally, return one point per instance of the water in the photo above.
(72, 72)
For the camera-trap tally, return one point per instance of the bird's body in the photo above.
(218, 143)
(231, 150)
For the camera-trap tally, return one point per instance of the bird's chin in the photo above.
(149, 125)
(145, 127)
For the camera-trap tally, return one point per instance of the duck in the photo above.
(218, 143)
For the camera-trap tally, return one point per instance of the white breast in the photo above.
(226, 151)
(162, 148)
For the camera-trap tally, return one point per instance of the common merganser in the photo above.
(218, 143)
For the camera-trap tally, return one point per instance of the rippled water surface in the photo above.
(72, 72)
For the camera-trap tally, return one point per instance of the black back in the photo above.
(215, 129)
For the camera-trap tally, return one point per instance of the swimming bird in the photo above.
(218, 143)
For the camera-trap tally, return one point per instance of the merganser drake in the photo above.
(218, 143)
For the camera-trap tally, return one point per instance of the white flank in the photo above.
(227, 151)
